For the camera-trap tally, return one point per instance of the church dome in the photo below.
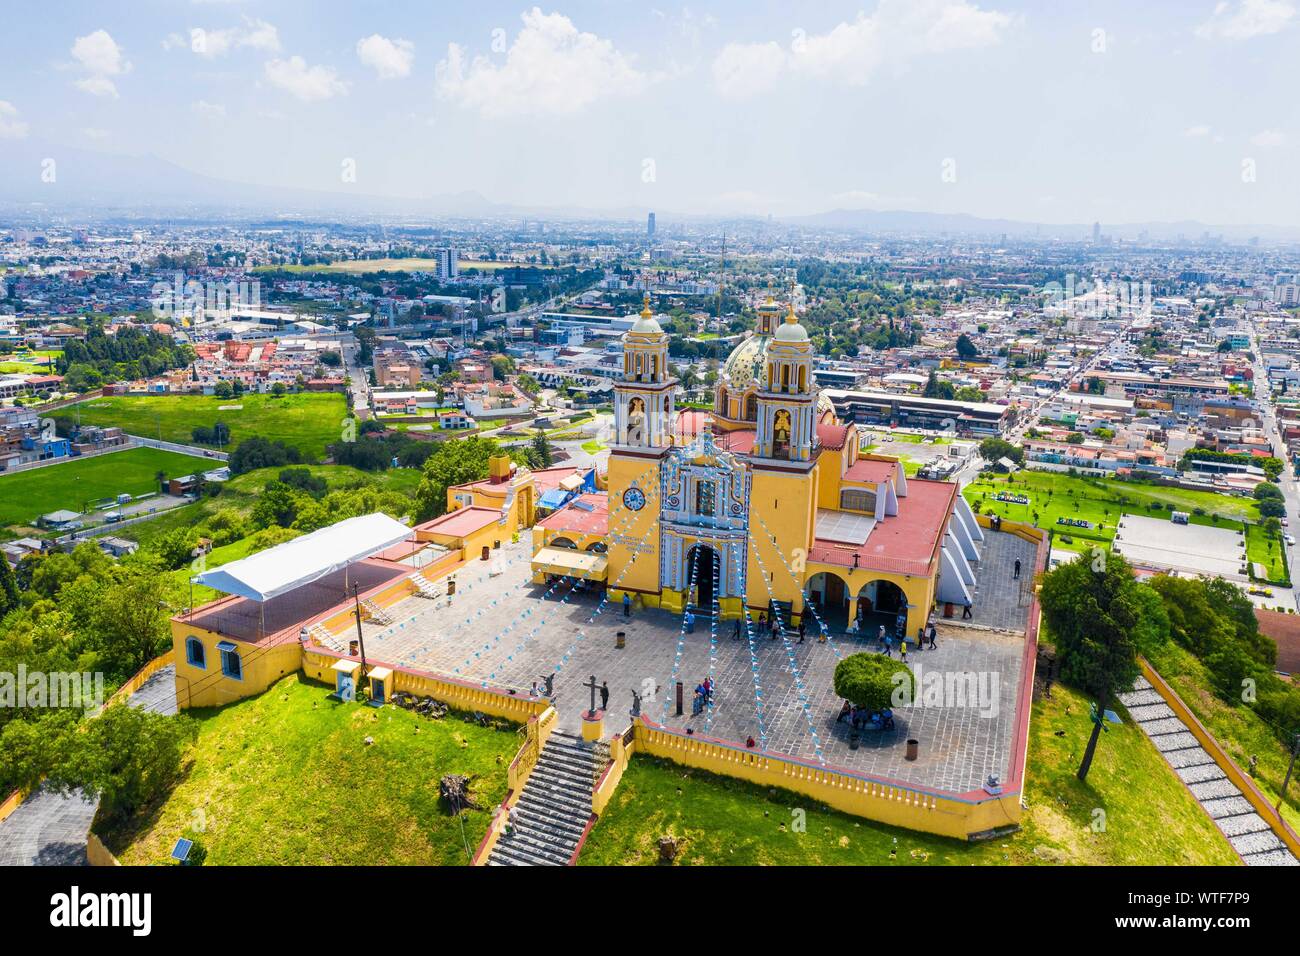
(791, 330)
(744, 366)
(645, 323)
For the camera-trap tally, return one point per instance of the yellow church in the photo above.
(766, 504)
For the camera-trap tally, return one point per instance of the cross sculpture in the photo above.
(592, 685)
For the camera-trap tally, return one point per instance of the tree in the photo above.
(454, 463)
(965, 347)
(540, 451)
(1272, 508)
(127, 757)
(8, 588)
(258, 452)
(993, 449)
(132, 619)
(1093, 607)
(503, 366)
(870, 680)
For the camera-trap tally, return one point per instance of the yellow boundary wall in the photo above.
(97, 854)
(1239, 778)
(896, 804)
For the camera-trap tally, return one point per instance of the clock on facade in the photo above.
(634, 498)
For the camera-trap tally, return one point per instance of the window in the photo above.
(706, 494)
(857, 499)
(231, 665)
(195, 655)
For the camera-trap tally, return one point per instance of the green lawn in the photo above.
(1148, 816)
(286, 778)
(1100, 501)
(309, 420)
(26, 495)
(1268, 552)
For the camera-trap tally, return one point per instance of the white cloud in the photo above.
(11, 127)
(1268, 137)
(99, 56)
(1249, 18)
(305, 82)
(1197, 132)
(852, 52)
(209, 110)
(552, 67)
(390, 59)
(253, 35)
(95, 133)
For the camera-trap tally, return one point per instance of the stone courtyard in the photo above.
(503, 631)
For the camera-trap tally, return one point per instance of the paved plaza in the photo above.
(506, 632)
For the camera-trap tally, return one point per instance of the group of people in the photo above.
(860, 717)
(774, 627)
(703, 696)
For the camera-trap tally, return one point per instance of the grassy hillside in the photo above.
(308, 421)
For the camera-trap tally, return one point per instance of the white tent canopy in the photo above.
(303, 560)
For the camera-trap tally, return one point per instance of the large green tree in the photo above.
(454, 463)
(1096, 612)
(870, 680)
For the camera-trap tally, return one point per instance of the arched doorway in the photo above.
(562, 543)
(830, 596)
(880, 603)
(702, 568)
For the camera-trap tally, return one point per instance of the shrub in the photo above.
(869, 680)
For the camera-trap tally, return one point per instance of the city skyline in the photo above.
(995, 110)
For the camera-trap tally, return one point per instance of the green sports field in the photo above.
(26, 495)
(308, 421)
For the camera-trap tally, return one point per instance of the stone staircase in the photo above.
(1231, 812)
(552, 812)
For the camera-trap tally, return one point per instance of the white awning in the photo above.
(278, 570)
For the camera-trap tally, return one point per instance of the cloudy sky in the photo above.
(1050, 111)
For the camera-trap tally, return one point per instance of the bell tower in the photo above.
(644, 408)
(644, 397)
(787, 424)
(783, 464)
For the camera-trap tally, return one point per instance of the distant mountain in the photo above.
(86, 181)
(112, 181)
(900, 222)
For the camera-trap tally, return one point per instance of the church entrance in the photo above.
(702, 565)
(881, 603)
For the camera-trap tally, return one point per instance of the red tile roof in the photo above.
(832, 436)
(871, 471)
(1284, 629)
(579, 520)
(738, 442)
(905, 543)
(461, 522)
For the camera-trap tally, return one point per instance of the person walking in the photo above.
(690, 622)
(933, 632)
(735, 632)
(965, 612)
(627, 604)
(604, 695)
(1016, 575)
(902, 648)
(802, 628)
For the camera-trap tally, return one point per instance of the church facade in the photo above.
(766, 504)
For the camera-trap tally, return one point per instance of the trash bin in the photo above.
(912, 746)
(620, 640)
